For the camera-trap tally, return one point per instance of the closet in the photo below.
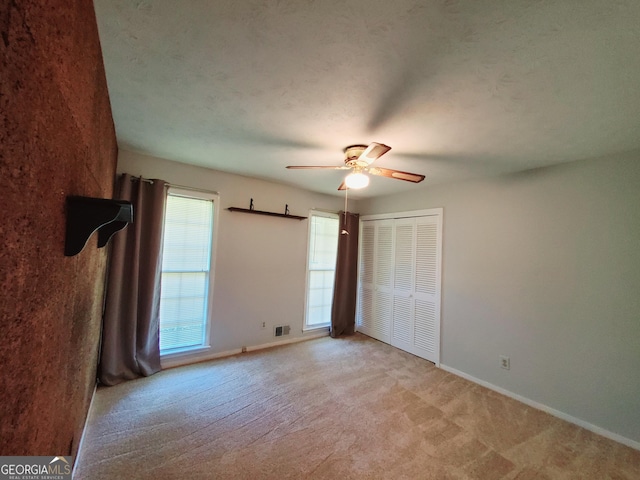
(399, 280)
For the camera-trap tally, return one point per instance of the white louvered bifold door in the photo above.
(427, 289)
(383, 281)
(364, 317)
(375, 300)
(399, 288)
(403, 284)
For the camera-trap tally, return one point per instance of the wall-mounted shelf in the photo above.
(260, 212)
(251, 210)
(85, 215)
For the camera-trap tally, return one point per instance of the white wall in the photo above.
(544, 266)
(261, 261)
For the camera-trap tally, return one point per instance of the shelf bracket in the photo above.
(85, 215)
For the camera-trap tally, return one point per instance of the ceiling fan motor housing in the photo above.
(352, 154)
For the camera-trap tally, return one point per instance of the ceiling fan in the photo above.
(359, 159)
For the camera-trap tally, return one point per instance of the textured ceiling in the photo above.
(459, 89)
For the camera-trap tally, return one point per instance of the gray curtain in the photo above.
(130, 332)
(343, 310)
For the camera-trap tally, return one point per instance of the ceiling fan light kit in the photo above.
(358, 158)
(356, 180)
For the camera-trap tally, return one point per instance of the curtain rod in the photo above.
(194, 189)
(183, 187)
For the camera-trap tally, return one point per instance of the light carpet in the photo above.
(332, 409)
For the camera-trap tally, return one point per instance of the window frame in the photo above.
(179, 356)
(316, 213)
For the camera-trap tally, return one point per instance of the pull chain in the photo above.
(344, 229)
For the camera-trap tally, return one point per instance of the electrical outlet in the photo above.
(505, 362)
(264, 324)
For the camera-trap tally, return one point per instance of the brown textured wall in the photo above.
(56, 139)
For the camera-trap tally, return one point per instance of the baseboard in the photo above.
(188, 360)
(310, 335)
(84, 432)
(545, 408)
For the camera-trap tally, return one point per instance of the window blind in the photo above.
(186, 262)
(323, 248)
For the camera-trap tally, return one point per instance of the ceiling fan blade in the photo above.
(316, 167)
(373, 152)
(387, 172)
(343, 186)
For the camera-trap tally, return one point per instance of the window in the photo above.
(186, 271)
(321, 267)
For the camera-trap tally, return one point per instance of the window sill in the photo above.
(184, 356)
(315, 328)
